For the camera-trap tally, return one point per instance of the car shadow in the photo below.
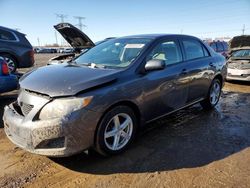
(247, 83)
(187, 139)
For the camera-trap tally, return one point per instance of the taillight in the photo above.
(5, 69)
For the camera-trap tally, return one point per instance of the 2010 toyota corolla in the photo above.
(99, 99)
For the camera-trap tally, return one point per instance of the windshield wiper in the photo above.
(93, 65)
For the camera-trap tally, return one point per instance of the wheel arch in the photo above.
(10, 54)
(220, 78)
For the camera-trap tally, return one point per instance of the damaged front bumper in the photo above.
(238, 74)
(56, 137)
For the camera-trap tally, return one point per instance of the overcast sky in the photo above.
(202, 18)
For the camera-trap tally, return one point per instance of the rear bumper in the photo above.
(26, 60)
(8, 83)
(238, 74)
(58, 137)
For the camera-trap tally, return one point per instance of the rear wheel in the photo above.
(213, 95)
(116, 131)
(11, 62)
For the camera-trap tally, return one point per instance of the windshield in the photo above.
(114, 53)
(241, 53)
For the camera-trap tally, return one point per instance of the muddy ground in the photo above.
(191, 148)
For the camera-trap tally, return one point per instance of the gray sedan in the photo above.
(100, 99)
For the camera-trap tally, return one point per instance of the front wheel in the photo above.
(116, 131)
(213, 95)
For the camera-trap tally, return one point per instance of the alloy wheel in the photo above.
(118, 132)
(215, 93)
(11, 64)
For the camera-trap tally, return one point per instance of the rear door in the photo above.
(165, 90)
(198, 61)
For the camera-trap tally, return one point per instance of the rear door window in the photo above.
(6, 35)
(193, 49)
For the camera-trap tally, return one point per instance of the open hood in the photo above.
(74, 36)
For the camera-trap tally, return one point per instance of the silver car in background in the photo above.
(239, 59)
(239, 65)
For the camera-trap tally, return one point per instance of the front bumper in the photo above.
(238, 74)
(55, 137)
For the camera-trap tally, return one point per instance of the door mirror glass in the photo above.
(154, 64)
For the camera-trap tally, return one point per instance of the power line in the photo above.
(80, 24)
(61, 16)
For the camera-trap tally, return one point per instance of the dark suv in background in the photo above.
(16, 49)
(219, 47)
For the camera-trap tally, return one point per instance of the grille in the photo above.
(26, 108)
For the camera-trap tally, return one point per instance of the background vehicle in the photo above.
(16, 49)
(8, 82)
(101, 98)
(239, 58)
(68, 50)
(220, 47)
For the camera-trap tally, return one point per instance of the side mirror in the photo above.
(155, 64)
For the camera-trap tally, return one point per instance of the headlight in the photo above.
(63, 107)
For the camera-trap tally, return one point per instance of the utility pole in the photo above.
(56, 37)
(243, 29)
(61, 16)
(38, 41)
(80, 24)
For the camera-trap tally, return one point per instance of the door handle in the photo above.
(184, 71)
(211, 64)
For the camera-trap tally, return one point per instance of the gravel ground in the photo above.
(191, 148)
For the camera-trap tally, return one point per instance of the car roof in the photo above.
(156, 36)
(11, 30)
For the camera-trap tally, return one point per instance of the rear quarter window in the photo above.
(193, 49)
(220, 47)
(6, 35)
(213, 45)
(225, 45)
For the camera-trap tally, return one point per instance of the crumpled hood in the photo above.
(239, 64)
(65, 79)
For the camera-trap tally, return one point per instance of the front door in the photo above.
(165, 90)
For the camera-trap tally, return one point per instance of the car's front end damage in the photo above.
(239, 70)
(239, 58)
(52, 116)
(239, 64)
(51, 127)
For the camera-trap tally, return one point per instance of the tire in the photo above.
(11, 62)
(116, 131)
(213, 95)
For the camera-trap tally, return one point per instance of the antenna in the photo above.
(80, 24)
(61, 16)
